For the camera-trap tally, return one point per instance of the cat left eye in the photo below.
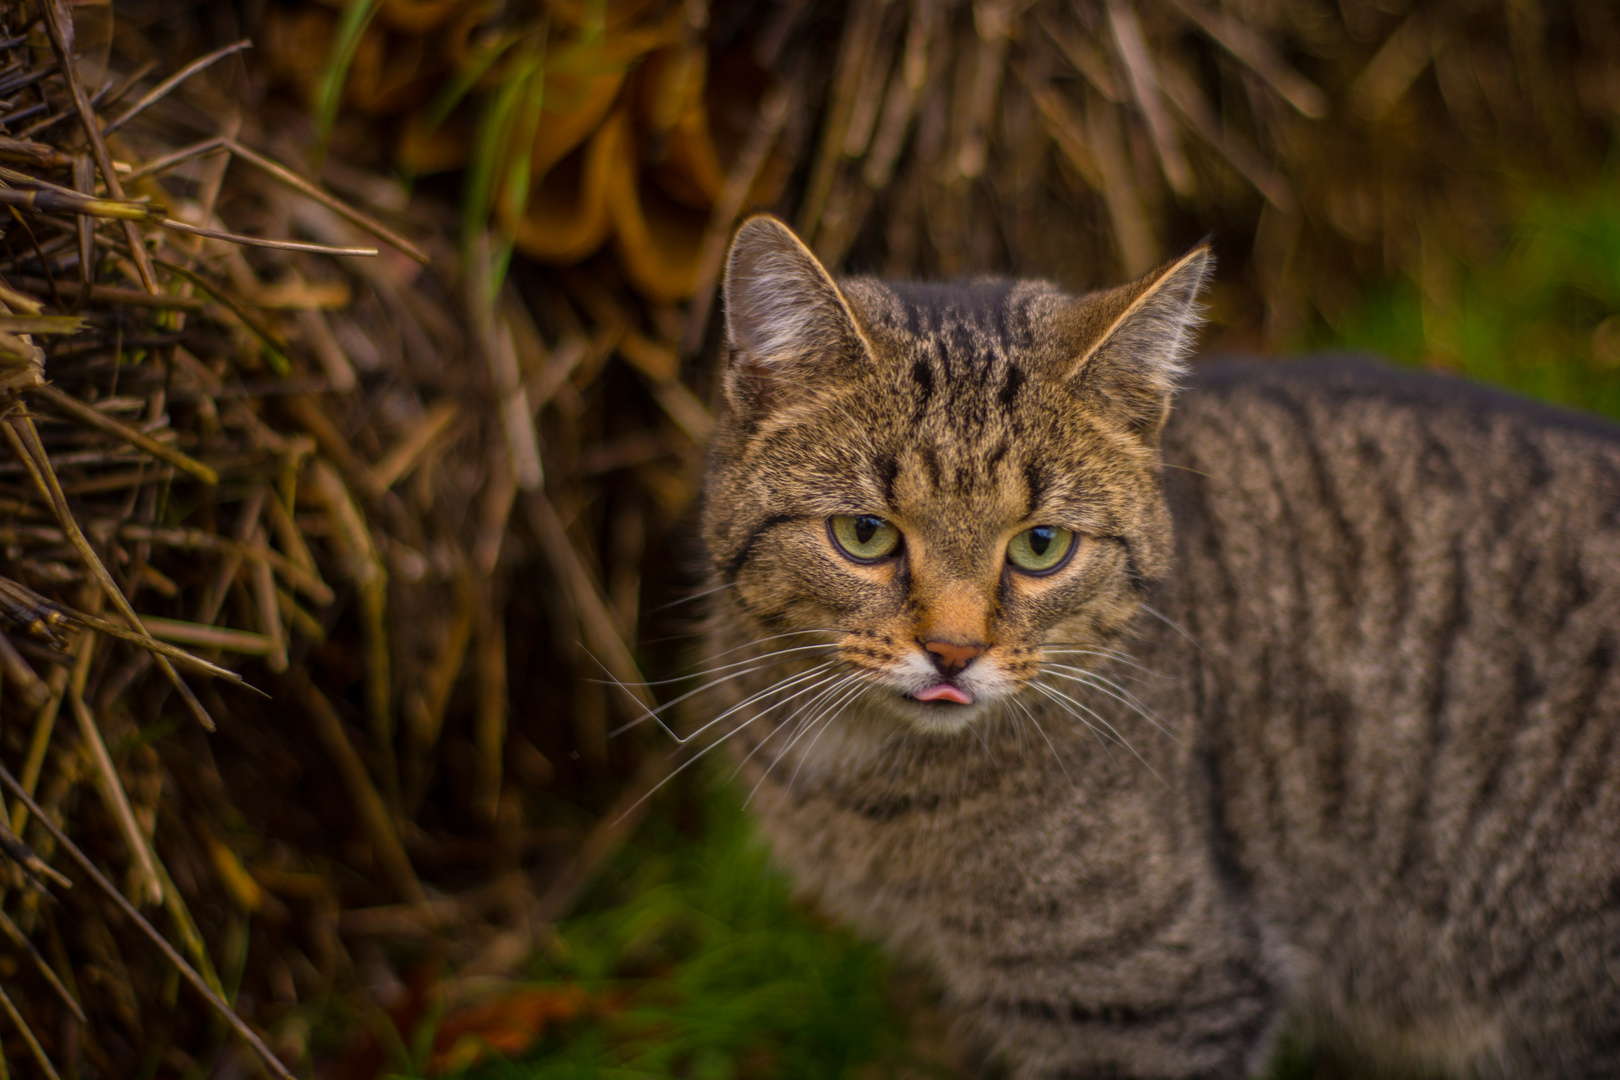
(864, 537)
(1040, 550)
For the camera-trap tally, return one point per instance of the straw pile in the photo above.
(1322, 143)
(417, 497)
(288, 455)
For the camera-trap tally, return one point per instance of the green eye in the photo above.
(864, 536)
(1040, 549)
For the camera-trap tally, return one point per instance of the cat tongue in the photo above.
(945, 692)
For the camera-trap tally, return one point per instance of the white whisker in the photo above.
(781, 725)
(691, 598)
(1112, 689)
(823, 718)
(827, 719)
(1172, 624)
(720, 667)
(695, 758)
(776, 687)
(1059, 696)
(1057, 757)
(760, 663)
(1106, 654)
(773, 637)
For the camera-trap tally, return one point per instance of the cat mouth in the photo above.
(944, 692)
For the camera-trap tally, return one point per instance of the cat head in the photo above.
(939, 482)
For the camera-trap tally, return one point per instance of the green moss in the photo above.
(1541, 319)
(708, 968)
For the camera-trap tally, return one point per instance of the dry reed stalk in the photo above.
(28, 1037)
(117, 799)
(374, 814)
(20, 941)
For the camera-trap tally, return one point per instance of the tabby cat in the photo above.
(1150, 729)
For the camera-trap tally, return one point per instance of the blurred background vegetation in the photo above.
(436, 501)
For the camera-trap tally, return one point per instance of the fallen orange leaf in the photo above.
(508, 1025)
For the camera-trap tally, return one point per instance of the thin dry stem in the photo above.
(414, 445)
(24, 856)
(602, 635)
(338, 206)
(83, 413)
(374, 814)
(116, 798)
(162, 89)
(98, 145)
(28, 1037)
(209, 637)
(264, 593)
(22, 677)
(1144, 81)
(48, 973)
(257, 241)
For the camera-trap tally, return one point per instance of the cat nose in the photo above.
(949, 657)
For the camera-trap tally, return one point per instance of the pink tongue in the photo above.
(945, 692)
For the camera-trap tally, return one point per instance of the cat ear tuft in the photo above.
(1129, 345)
(785, 316)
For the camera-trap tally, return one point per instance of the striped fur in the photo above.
(1344, 749)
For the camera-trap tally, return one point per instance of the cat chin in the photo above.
(940, 717)
(872, 729)
(899, 713)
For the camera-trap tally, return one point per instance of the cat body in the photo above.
(1316, 717)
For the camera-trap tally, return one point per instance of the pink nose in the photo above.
(949, 657)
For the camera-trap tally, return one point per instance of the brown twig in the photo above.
(24, 856)
(114, 294)
(602, 636)
(178, 157)
(1252, 50)
(204, 635)
(116, 798)
(773, 112)
(374, 816)
(28, 684)
(1144, 81)
(256, 241)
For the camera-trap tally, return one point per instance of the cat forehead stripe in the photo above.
(984, 314)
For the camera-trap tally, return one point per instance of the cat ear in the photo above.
(786, 320)
(1129, 345)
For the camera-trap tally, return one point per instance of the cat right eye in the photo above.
(864, 537)
(1040, 550)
